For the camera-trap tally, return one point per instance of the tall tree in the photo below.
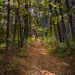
(55, 31)
(50, 8)
(19, 22)
(63, 24)
(25, 34)
(70, 18)
(14, 34)
(30, 18)
(7, 34)
(59, 31)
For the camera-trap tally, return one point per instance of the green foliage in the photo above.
(50, 40)
(22, 55)
(29, 40)
(60, 50)
(72, 44)
(39, 39)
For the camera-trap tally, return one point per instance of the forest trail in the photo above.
(39, 62)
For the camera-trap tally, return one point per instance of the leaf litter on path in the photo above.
(41, 63)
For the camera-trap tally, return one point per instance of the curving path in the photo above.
(39, 62)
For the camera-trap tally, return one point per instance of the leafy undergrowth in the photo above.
(61, 51)
(21, 55)
(15, 64)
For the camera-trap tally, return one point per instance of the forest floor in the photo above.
(40, 62)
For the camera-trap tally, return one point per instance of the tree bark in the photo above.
(30, 19)
(7, 34)
(70, 19)
(25, 34)
(55, 31)
(59, 31)
(63, 24)
(19, 22)
(14, 34)
(50, 8)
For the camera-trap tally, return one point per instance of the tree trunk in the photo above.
(19, 23)
(55, 31)
(25, 35)
(14, 34)
(11, 27)
(70, 19)
(63, 25)
(18, 42)
(59, 31)
(7, 34)
(26, 21)
(50, 8)
(72, 2)
(30, 19)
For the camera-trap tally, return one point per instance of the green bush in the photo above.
(22, 55)
(60, 50)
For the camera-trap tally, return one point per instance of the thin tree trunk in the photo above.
(7, 34)
(72, 2)
(30, 19)
(63, 25)
(11, 27)
(50, 8)
(26, 20)
(55, 31)
(25, 35)
(59, 31)
(14, 34)
(18, 42)
(19, 23)
(70, 19)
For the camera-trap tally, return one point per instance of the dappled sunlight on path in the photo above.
(39, 62)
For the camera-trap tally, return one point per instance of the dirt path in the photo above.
(39, 62)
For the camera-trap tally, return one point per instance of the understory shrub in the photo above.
(60, 49)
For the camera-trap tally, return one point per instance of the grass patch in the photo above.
(22, 55)
(60, 50)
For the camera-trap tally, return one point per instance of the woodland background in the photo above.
(48, 21)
